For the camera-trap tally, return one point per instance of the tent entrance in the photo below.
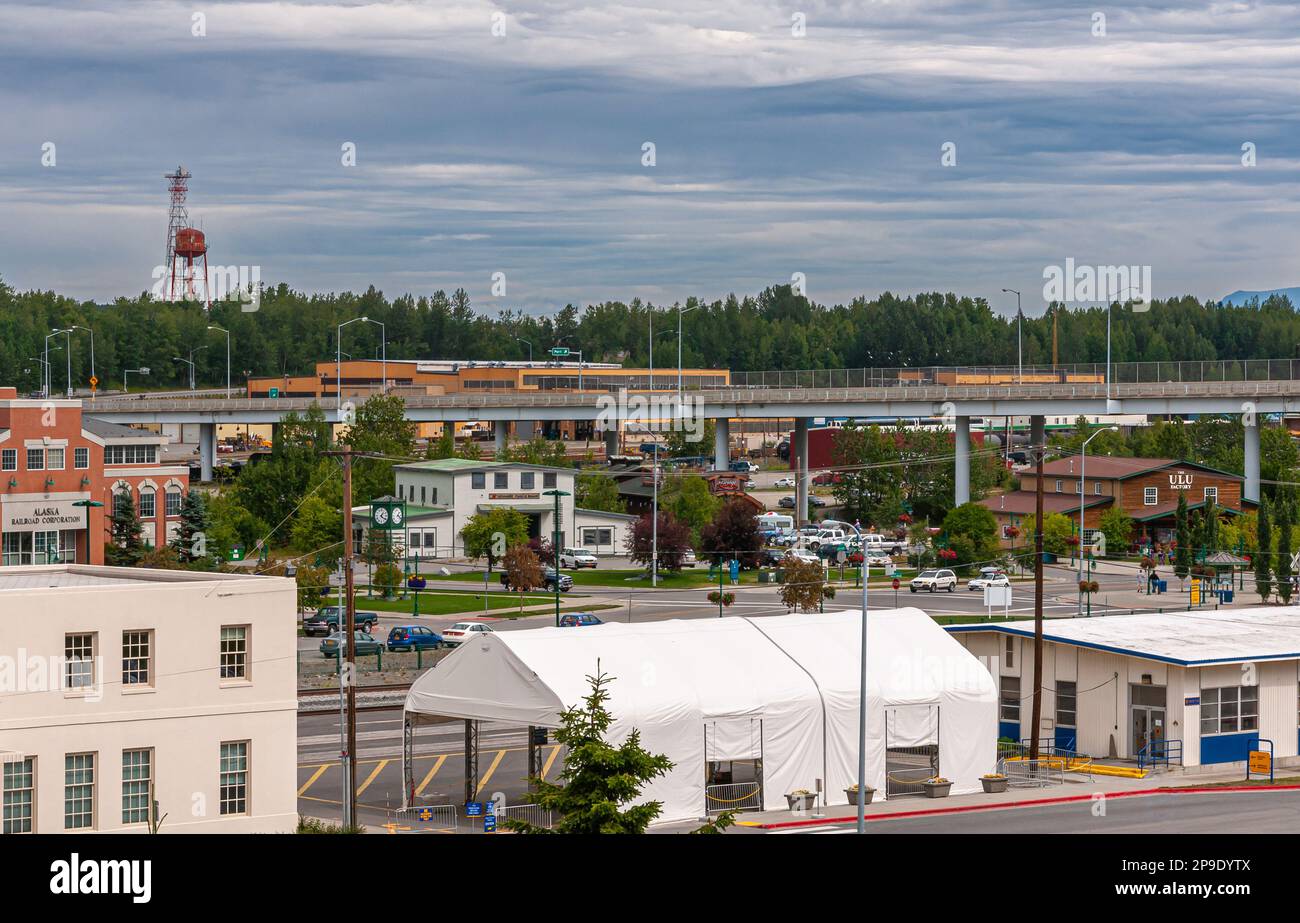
(911, 748)
(733, 767)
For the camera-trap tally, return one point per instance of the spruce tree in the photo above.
(1282, 565)
(125, 547)
(190, 542)
(1183, 553)
(1264, 553)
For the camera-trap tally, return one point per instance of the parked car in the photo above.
(882, 544)
(653, 448)
(833, 537)
(362, 644)
(743, 465)
(548, 581)
(800, 554)
(461, 632)
(786, 503)
(983, 581)
(327, 619)
(688, 558)
(413, 637)
(577, 557)
(934, 580)
(826, 478)
(579, 619)
(784, 482)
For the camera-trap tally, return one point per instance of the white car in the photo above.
(461, 632)
(688, 558)
(934, 580)
(576, 558)
(879, 560)
(803, 555)
(984, 580)
(784, 482)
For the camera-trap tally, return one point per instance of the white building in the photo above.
(443, 494)
(119, 683)
(1206, 686)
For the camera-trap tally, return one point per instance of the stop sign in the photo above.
(895, 583)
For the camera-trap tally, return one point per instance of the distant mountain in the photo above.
(1243, 297)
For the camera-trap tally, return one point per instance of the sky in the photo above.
(852, 147)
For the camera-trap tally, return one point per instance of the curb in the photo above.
(1036, 802)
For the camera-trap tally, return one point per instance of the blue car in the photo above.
(579, 619)
(413, 637)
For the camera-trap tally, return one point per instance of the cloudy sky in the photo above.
(799, 137)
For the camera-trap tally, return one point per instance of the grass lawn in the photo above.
(447, 602)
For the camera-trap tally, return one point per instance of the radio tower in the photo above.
(183, 242)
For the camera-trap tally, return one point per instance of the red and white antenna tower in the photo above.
(184, 242)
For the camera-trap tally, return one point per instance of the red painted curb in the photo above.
(1037, 802)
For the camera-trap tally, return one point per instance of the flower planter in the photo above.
(937, 789)
(993, 786)
(800, 803)
(852, 795)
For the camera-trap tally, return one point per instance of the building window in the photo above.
(422, 495)
(54, 459)
(137, 653)
(597, 537)
(1078, 487)
(1058, 485)
(172, 499)
(1150, 495)
(548, 480)
(137, 775)
(527, 480)
(433, 495)
(477, 480)
(234, 652)
(9, 460)
(148, 506)
(1010, 698)
(19, 795)
(401, 488)
(78, 791)
(79, 661)
(500, 480)
(234, 777)
(130, 454)
(1011, 652)
(81, 458)
(35, 459)
(1066, 709)
(1211, 495)
(1096, 487)
(1229, 709)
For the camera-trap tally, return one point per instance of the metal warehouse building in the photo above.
(1202, 687)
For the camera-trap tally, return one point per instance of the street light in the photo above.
(92, 352)
(143, 370)
(48, 382)
(862, 687)
(190, 362)
(555, 547)
(1083, 496)
(88, 504)
(338, 360)
(529, 345)
(680, 312)
(227, 333)
(1123, 291)
(557, 353)
(1020, 349)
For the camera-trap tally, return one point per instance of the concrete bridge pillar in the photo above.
(500, 429)
(611, 442)
(207, 450)
(721, 444)
(1250, 490)
(801, 476)
(961, 457)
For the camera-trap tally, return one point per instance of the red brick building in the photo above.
(1146, 488)
(51, 457)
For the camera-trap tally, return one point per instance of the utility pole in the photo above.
(1038, 589)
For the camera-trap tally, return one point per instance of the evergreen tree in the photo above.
(191, 540)
(125, 547)
(1264, 553)
(1282, 563)
(1182, 553)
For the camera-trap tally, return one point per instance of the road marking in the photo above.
(320, 771)
(432, 772)
(370, 778)
(501, 754)
(555, 751)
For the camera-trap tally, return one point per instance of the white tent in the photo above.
(782, 689)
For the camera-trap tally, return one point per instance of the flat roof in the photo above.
(454, 465)
(1183, 638)
(58, 576)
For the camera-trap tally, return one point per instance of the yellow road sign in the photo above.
(1261, 761)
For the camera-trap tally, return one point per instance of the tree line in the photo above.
(776, 329)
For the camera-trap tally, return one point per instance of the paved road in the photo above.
(1243, 813)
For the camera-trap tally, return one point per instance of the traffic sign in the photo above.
(489, 822)
(425, 814)
(473, 809)
(93, 382)
(1261, 761)
(896, 584)
(274, 392)
(560, 351)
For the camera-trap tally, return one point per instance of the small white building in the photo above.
(120, 687)
(441, 495)
(1203, 686)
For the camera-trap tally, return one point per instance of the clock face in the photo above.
(397, 515)
(381, 515)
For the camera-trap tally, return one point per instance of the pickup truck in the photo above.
(325, 621)
(548, 581)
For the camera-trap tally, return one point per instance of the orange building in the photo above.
(54, 462)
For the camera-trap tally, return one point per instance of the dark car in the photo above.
(548, 581)
(325, 621)
(413, 637)
(578, 619)
(362, 644)
(786, 503)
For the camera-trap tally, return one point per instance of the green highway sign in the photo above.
(275, 392)
(560, 351)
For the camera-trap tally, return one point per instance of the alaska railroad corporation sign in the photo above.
(42, 515)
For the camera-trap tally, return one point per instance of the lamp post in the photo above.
(227, 333)
(529, 345)
(1083, 496)
(88, 504)
(1020, 349)
(654, 520)
(680, 312)
(44, 365)
(1109, 301)
(862, 686)
(143, 370)
(338, 358)
(190, 362)
(555, 546)
(48, 377)
(92, 349)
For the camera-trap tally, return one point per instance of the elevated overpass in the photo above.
(1245, 388)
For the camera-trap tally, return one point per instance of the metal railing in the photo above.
(733, 796)
(1161, 753)
(528, 813)
(428, 817)
(1025, 773)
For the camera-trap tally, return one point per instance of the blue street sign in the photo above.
(425, 814)
(489, 822)
(473, 809)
